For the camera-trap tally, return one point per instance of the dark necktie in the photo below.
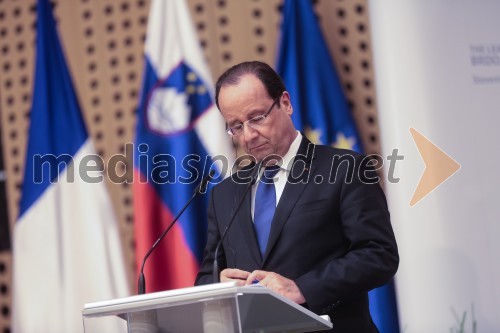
(265, 205)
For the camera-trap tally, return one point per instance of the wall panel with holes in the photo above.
(103, 41)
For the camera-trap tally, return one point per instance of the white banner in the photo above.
(437, 66)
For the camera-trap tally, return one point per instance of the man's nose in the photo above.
(249, 133)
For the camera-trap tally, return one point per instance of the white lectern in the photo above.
(214, 308)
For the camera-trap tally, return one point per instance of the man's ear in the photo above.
(286, 103)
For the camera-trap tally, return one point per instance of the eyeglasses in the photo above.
(255, 122)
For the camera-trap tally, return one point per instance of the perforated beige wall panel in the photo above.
(16, 61)
(5, 286)
(345, 25)
(104, 47)
(234, 31)
(103, 41)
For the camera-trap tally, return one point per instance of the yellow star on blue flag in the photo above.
(320, 107)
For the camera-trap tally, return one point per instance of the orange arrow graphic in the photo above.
(439, 166)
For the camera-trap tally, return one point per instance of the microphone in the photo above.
(202, 186)
(200, 189)
(253, 180)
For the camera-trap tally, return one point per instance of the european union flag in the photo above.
(304, 63)
(321, 111)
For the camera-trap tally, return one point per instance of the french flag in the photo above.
(66, 247)
(179, 134)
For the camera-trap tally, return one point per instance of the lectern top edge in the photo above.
(240, 309)
(115, 304)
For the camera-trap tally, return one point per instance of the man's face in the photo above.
(248, 99)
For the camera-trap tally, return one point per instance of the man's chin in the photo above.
(268, 157)
(260, 152)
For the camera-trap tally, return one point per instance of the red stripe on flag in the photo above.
(172, 264)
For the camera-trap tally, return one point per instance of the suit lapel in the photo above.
(244, 220)
(301, 173)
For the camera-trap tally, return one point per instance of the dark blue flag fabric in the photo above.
(304, 63)
(321, 111)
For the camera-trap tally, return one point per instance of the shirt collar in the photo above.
(291, 153)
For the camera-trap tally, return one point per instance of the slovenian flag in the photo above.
(179, 134)
(66, 245)
(321, 111)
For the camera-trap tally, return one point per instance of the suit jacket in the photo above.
(331, 234)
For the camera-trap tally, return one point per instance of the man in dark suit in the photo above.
(325, 238)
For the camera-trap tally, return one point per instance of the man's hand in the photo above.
(233, 274)
(277, 283)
